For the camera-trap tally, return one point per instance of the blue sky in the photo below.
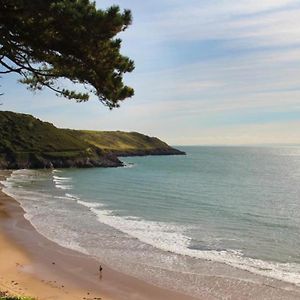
(207, 72)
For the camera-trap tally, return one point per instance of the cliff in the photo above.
(27, 142)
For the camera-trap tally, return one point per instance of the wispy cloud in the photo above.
(207, 71)
(265, 22)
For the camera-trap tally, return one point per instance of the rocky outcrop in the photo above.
(41, 161)
(156, 151)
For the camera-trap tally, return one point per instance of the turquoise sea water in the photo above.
(235, 205)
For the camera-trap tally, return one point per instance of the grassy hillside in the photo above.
(27, 142)
(124, 143)
(24, 133)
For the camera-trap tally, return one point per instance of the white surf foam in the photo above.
(64, 187)
(63, 183)
(63, 198)
(128, 165)
(171, 237)
(58, 178)
(71, 196)
(90, 205)
(34, 203)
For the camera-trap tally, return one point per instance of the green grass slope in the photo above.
(24, 133)
(27, 142)
(125, 143)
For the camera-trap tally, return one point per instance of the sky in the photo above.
(222, 72)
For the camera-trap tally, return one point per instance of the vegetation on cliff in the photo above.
(125, 143)
(27, 142)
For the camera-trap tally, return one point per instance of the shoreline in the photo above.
(32, 265)
(35, 266)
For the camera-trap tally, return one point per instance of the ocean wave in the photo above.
(128, 165)
(35, 204)
(64, 187)
(171, 238)
(63, 198)
(63, 183)
(58, 178)
(90, 205)
(71, 196)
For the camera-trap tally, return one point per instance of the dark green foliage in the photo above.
(46, 40)
(24, 133)
(28, 142)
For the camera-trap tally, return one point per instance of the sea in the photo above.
(162, 218)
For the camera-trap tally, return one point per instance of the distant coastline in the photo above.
(29, 143)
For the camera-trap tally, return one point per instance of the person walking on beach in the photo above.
(100, 271)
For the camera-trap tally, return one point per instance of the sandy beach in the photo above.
(32, 265)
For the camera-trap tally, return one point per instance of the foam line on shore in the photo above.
(169, 237)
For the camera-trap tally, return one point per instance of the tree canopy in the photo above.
(48, 40)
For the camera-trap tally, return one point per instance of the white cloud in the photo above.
(260, 22)
(177, 103)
